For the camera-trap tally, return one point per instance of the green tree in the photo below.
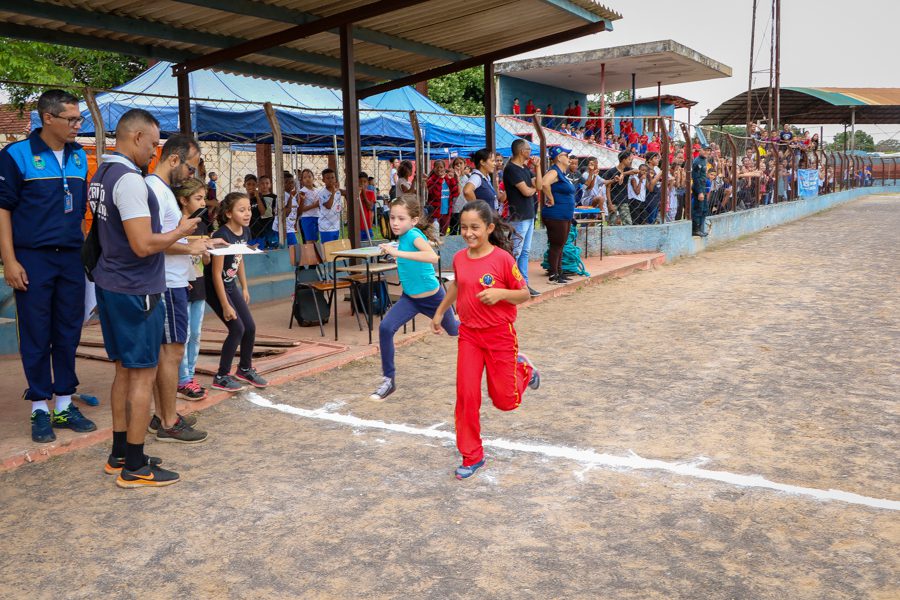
(461, 93)
(71, 68)
(610, 97)
(891, 145)
(864, 141)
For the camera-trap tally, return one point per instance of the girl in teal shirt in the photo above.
(422, 292)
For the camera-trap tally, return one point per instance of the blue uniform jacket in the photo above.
(31, 188)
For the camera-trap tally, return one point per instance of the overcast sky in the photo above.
(824, 43)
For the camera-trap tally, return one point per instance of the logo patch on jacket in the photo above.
(38, 162)
(77, 161)
(487, 280)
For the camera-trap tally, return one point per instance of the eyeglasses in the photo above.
(73, 121)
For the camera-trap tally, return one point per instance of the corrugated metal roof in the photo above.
(813, 106)
(424, 33)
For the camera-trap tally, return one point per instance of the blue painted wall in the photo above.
(646, 109)
(511, 88)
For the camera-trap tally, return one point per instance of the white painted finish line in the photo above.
(589, 458)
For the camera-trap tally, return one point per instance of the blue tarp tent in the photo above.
(316, 118)
(308, 115)
(442, 130)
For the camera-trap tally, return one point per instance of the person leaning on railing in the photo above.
(558, 210)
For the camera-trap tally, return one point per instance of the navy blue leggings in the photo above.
(241, 331)
(403, 312)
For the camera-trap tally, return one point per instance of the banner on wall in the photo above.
(807, 182)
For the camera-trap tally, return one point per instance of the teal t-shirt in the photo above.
(415, 277)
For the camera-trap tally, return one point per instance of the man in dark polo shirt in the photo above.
(698, 192)
(617, 188)
(521, 195)
(130, 277)
(43, 187)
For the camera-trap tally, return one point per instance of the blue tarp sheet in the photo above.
(315, 117)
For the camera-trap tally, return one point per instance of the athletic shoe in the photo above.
(226, 383)
(250, 376)
(182, 433)
(535, 381)
(386, 388)
(556, 279)
(191, 391)
(464, 472)
(41, 430)
(155, 422)
(534, 293)
(71, 418)
(114, 465)
(146, 476)
(562, 279)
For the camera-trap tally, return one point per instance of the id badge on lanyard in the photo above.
(68, 200)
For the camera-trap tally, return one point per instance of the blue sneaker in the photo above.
(71, 418)
(41, 430)
(463, 472)
(535, 381)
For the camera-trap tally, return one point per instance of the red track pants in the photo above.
(497, 349)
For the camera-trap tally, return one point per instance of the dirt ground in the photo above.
(774, 356)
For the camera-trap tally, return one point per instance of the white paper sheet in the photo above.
(235, 249)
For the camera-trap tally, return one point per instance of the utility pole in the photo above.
(750, 76)
(771, 68)
(778, 64)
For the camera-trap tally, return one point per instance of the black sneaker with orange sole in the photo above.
(114, 465)
(146, 476)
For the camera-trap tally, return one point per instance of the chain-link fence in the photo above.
(624, 170)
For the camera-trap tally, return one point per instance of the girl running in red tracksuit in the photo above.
(487, 288)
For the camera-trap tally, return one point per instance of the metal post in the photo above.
(734, 162)
(490, 108)
(603, 100)
(759, 179)
(777, 173)
(750, 76)
(184, 103)
(277, 172)
(771, 88)
(825, 167)
(852, 128)
(686, 131)
(664, 159)
(351, 133)
(542, 139)
(633, 102)
(99, 126)
(418, 157)
(778, 64)
(659, 122)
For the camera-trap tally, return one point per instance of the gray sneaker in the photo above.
(182, 433)
(386, 388)
(156, 423)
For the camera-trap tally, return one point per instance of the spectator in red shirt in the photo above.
(515, 106)
(442, 189)
(576, 112)
(529, 108)
(654, 144)
(367, 201)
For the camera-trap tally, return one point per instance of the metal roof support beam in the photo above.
(490, 111)
(351, 141)
(36, 34)
(259, 45)
(262, 10)
(82, 18)
(549, 40)
(184, 104)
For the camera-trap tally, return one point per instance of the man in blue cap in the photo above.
(43, 191)
(698, 192)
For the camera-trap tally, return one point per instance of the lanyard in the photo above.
(68, 201)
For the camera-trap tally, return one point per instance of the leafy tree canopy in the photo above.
(461, 93)
(864, 141)
(71, 68)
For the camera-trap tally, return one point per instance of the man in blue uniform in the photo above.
(43, 190)
(698, 192)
